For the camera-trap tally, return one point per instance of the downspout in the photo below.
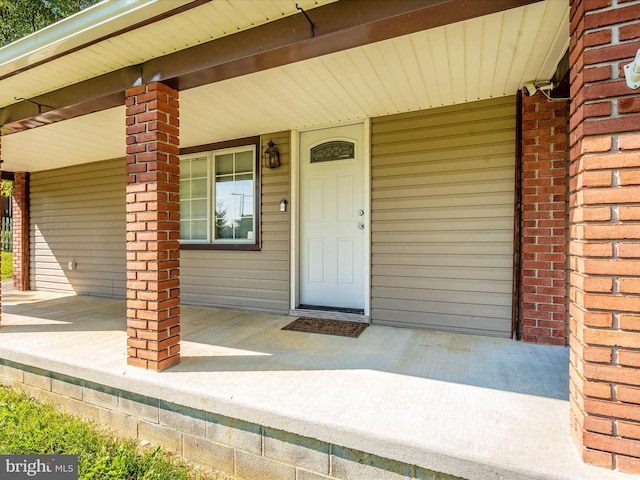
(516, 322)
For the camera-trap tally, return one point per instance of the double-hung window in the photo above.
(218, 199)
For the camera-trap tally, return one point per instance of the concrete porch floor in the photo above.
(474, 407)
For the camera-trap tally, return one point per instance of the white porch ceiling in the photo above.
(195, 26)
(472, 60)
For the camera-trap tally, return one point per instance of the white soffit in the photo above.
(477, 59)
(195, 26)
(482, 58)
(90, 138)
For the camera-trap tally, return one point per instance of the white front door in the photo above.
(332, 218)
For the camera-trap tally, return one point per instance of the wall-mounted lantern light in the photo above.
(271, 156)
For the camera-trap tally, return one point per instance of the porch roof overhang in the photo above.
(263, 72)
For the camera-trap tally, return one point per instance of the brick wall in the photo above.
(153, 226)
(543, 281)
(0, 261)
(21, 231)
(605, 234)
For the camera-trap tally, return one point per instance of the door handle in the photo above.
(361, 226)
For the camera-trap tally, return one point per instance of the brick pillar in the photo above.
(21, 231)
(153, 227)
(543, 298)
(0, 259)
(605, 235)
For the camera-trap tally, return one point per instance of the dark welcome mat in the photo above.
(327, 327)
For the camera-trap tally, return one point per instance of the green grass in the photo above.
(7, 265)
(31, 428)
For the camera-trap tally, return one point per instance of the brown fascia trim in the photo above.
(236, 142)
(93, 95)
(339, 26)
(8, 176)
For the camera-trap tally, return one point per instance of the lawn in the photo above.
(31, 428)
(7, 265)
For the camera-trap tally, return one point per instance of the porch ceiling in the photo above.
(476, 59)
(197, 22)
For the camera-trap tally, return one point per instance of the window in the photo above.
(218, 198)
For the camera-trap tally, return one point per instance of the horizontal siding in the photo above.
(442, 218)
(249, 280)
(78, 214)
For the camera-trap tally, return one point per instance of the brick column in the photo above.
(21, 231)
(0, 259)
(543, 308)
(153, 227)
(605, 235)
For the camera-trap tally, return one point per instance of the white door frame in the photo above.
(295, 213)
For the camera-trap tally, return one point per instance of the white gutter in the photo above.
(84, 27)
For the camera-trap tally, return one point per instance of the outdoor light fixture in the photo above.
(530, 88)
(271, 156)
(632, 72)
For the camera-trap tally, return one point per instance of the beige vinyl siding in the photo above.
(78, 214)
(442, 218)
(249, 280)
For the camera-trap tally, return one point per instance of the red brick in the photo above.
(607, 443)
(615, 374)
(591, 249)
(624, 303)
(629, 285)
(625, 393)
(629, 105)
(152, 167)
(599, 37)
(21, 232)
(629, 32)
(629, 358)
(544, 171)
(596, 179)
(598, 354)
(629, 177)
(609, 53)
(609, 231)
(630, 142)
(616, 338)
(627, 123)
(596, 144)
(152, 355)
(612, 16)
(598, 458)
(137, 362)
(166, 363)
(597, 389)
(629, 321)
(598, 425)
(628, 464)
(610, 161)
(628, 429)
(600, 109)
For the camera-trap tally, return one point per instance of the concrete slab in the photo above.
(474, 407)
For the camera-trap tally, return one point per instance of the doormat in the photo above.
(327, 327)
